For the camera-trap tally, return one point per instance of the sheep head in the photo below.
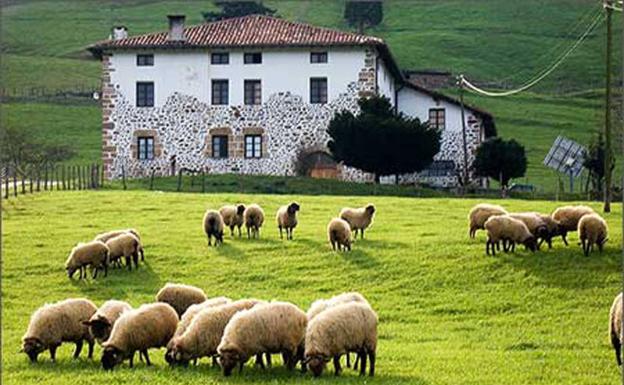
(370, 209)
(228, 360)
(240, 209)
(32, 346)
(111, 357)
(531, 243)
(99, 327)
(316, 363)
(293, 208)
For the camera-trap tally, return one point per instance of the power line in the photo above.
(543, 74)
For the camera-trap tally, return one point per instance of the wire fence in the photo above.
(42, 93)
(50, 178)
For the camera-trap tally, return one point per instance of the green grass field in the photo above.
(449, 314)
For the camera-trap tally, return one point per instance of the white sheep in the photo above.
(504, 228)
(534, 222)
(112, 234)
(358, 219)
(254, 218)
(180, 296)
(213, 226)
(101, 323)
(349, 327)
(592, 230)
(480, 213)
(568, 218)
(125, 246)
(339, 234)
(286, 219)
(276, 327)
(233, 217)
(149, 326)
(53, 324)
(94, 254)
(615, 328)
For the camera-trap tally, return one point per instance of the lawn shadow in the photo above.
(359, 257)
(228, 250)
(382, 244)
(119, 281)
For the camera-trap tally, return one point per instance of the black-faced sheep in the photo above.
(553, 227)
(592, 230)
(94, 254)
(213, 226)
(188, 316)
(203, 335)
(233, 217)
(358, 219)
(149, 326)
(339, 234)
(112, 234)
(125, 246)
(504, 228)
(568, 218)
(615, 328)
(254, 218)
(349, 327)
(180, 296)
(101, 323)
(480, 213)
(276, 327)
(534, 223)
(287, 219)
(321, 305)
(53, 324)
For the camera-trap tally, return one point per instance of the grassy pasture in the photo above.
(448, 313)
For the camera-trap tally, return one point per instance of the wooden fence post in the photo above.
(63, 177)
(38, 179)
(79, 178)
(56, 177)
(179, 179)
(45, 176)
(6, 182)
(102, 177)
(23, 184)
(31, 181)
(123, 177)
(203, 178)
(14, 182)
(152, 179)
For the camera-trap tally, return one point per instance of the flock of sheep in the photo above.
(532, 229)
(192, 326)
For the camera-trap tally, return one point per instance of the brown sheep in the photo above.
(101, 323)
(233, 217)
(53, 324)
(480, 213)
(615, 328)
(213, 226)
(568, 218)
(94, 254)
(125, 246)
(339, 234)
(504, 228)
(593, 230)
(112, 234)
(254, 218)
(180, 296)
(287, 219)
(358, 219)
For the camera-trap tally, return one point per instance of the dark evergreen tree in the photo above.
(230, 9)
(363, 14)
(501, 160)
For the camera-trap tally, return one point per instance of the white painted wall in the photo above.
(281, 70)
(417, 104)
(385, 81)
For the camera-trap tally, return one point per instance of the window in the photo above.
(220, 58)
(252, 58)
(318, 90)
(437, 118)
(253, 146)
(220, 146)
(145, 148)
(253, 92)
(318, 57)
(145, 94)
(219, 92)
(145, 60)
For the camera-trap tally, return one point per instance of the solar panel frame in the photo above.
(562, 150)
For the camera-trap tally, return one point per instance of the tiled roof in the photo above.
(247, 31)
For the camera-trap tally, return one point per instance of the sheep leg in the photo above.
(142, 254)
(280, 230)
(487, 247)
(583, 247)
(94, 270)
(337, 368)
(105, 269)
(81, 272)
(513, 247)
(259, 361)
(268, 360)
(289, 359)
(53, 352)
(195, 362)
(131, 360)
(371, 356)
(248, 233)
(239, 232)
(361, 233)
(135, 258)
(128, 263)
(617, 346)
(231, 231)
(563, 236)
(78, 349)
(333, 245)
(147, 360)
(209, 242)
(348, 360)
(240, 367)
(90, 343)
(214, 361)
(362, 355)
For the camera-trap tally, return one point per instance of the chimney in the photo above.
(119, 32)
(176, 28)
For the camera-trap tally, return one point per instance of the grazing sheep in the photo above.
(276, 327)
(349, 327)
(127, 246)
(553, 229)
(101, 323)
(615, 328)
(358, 219)
(339, 234)
(188, 316)
(203, 334)
(534, 223)
(94, 254)
(592, 229)
(480, 213)
(323, 304)
(112, 234)
(505, 228)
(213, 226)
(149, 326)
(53, 324)
(287, 219)
(568, 218)
(180, 296)
(233, 217)
(254, 218)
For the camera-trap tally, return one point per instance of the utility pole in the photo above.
(607, 163)
(464, 139)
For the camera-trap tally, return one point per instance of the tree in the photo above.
(501, 160)
(230, 9)
(380, 141)
(363, 14)
(594, 162)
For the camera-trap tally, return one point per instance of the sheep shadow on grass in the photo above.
(229, 251)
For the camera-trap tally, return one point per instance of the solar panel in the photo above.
(566, 156)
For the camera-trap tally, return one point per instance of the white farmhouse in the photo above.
(250, 94)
